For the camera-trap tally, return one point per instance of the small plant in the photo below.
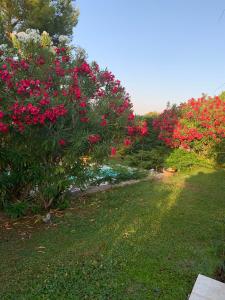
(17, 209)
(63, 202)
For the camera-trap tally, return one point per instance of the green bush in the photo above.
(17, 209)
(148, 159)
(182, 160)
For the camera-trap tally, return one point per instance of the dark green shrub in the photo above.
(17, 209)
(148, 159)
(218, 153)
(63, 203)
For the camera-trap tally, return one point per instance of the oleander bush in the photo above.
(197, 125)
(55, 108)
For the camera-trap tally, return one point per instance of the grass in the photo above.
(146, 241)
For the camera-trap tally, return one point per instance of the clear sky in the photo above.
(161, 50)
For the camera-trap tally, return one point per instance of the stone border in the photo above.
(107, 186)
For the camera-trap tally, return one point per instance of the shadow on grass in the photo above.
(147, 241)
(171, 234)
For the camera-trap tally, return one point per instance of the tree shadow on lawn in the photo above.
(174, 233)
(146, 241)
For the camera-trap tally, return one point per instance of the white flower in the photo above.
(3, 47)
(34, 35)
(63, 39)
(22, 37)
(31, 35)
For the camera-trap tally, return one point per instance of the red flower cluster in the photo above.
(127, 142)
(141, 129)
(196, 121)
(94, 138)
(62, 142)
(74, 92)
(113, 151)
(22, 115)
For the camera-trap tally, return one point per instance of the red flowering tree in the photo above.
(198, 124)
(55, 108)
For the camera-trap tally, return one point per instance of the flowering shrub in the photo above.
(147, 151)
(198, 124)
(54, 109)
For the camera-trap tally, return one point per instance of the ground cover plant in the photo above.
(146, 241)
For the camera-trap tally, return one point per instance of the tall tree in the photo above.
(57, 17)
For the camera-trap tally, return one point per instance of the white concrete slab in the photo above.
(206, 288)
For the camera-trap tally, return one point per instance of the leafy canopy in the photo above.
(57, 17)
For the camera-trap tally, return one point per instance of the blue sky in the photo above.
(161, 50)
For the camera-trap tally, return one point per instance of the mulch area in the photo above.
(24, 227)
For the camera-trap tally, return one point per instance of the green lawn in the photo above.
(146, 241)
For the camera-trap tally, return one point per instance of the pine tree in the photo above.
(57, 17)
